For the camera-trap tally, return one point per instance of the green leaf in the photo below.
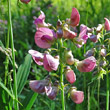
(23, 73)
(6, 89)
(29, 100)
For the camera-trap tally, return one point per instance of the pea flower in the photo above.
(87, 64)
(39, 85)
(25, 1)
(76, 96)
(50, 63)
(89, 53)
(37, 56)
(40, 21)
(68, 34)
(70, 75)
(51, 91)
(82, 38)
(75, 17)
(44, 37)
(107, 24)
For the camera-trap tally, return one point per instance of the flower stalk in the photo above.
(61, 75)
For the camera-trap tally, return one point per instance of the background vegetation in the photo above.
(92, 13)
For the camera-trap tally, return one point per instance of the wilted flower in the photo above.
(70, 75)
(68, 34)
(69, 57)
(40, 21)
(87, 64)
(51, 91)
(25, 1)
(50, 63)
(39, 85)
(75, 17)
(107, 24)
(44, 37)
(37, 56)
(76, 96)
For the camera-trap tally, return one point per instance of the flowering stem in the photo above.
(13, 56)
(61, 76)
(98, 95)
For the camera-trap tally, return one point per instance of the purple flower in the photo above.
(81, 40)
(39, 85)
(50, 63)
(40, 21)
(37, 56)
(75, 17)
(44, 37)
(87, 64)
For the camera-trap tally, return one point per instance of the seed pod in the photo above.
(76, 96)
(70, 75)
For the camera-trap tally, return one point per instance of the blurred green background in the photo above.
(92, 13)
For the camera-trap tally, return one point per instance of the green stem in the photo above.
(13, 57)
(107, 85)
(98, 95)
(61, 76)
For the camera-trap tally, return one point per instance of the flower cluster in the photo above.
(45, 37)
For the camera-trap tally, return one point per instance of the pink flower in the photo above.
(75, 17)
(107, 24)
(70, 75)
(40, 21)
(77, 96)
(44, 37)
(68, 34)
(87, 64)
(25, 1)
(37, 56)
(50, 63)
(39, 85)
(81, 40)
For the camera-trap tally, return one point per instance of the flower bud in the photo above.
(59, 33)
(87, 64)
(25, 1)
(38, 85)
(59, 24)
(76, 96)
(103, 52)
(107, 24)
(69, 57)
(75, 17)
(93, 38)
(70, 75)
(102, 63)
(99, 28)
(89, 53)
